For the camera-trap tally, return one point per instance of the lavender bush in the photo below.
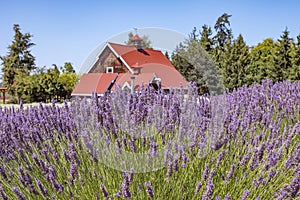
(156, 145)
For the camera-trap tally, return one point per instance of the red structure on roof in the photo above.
(136, 37)
(129, 67)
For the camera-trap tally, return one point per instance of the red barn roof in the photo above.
(170, 77)
(133, 56)
(150, 63)
(93, 82)
(141, 79)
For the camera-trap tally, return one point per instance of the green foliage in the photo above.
(67, 82)
(223, 31)
(261, 62)
(18, 60)
(45, 85)
(283, 61)
(196, 65)
(235, 64)
(206, 39)
(68, 68)
(167, 55)
(294, 71)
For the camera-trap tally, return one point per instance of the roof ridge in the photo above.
(125, 45)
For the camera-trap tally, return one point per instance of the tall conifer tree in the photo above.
(19, 60)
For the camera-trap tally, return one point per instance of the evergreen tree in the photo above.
(181, 64)
(206, 39)
(222, 41)
(196, 65)
(223, 31)
(236, 63)
(19, 60)
(193, 35)
(283, 61)
(294, 72)
(167, 55)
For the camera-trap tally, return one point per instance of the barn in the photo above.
(130, 67)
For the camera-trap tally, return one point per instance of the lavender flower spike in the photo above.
(245, 195)
(104, 192)
(149, 189)
(19, 194)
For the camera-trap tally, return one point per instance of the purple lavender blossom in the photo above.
(169, 170)
(227, 197)
(245, 195)
(175, 165)
(2, 172)
(104, 191)
(58, 187)
(140, 187)
(66, 155)
(73, 153)
(220, 157)
(118, 194)
(125, 186)
(149, 189)
(185, 159)
(3, 195)
(254, 119)
(19, 194)
(212, 173)
(34, 157)
(131, 175)
(230, 173)
(42, 188)
(205, 172)
(73, 170)
(271, 174)
(208, 191)
(198, 187)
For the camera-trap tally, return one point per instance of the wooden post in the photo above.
(3, 96)
(3, 90)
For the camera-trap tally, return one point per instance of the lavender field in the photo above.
(155, 145)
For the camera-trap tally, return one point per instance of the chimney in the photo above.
(136, 41)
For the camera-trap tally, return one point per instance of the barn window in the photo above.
(109, 70)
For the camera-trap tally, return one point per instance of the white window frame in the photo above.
(109, 70)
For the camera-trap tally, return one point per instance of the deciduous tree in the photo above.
(262, 62)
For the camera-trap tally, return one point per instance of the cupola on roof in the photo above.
(136, 41)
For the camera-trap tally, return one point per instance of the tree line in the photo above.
(28, 83)
(215, 60)
(212, 57)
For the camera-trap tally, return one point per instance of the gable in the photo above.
(136, 57)
(107, 58)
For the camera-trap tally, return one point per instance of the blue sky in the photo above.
(69, 30)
